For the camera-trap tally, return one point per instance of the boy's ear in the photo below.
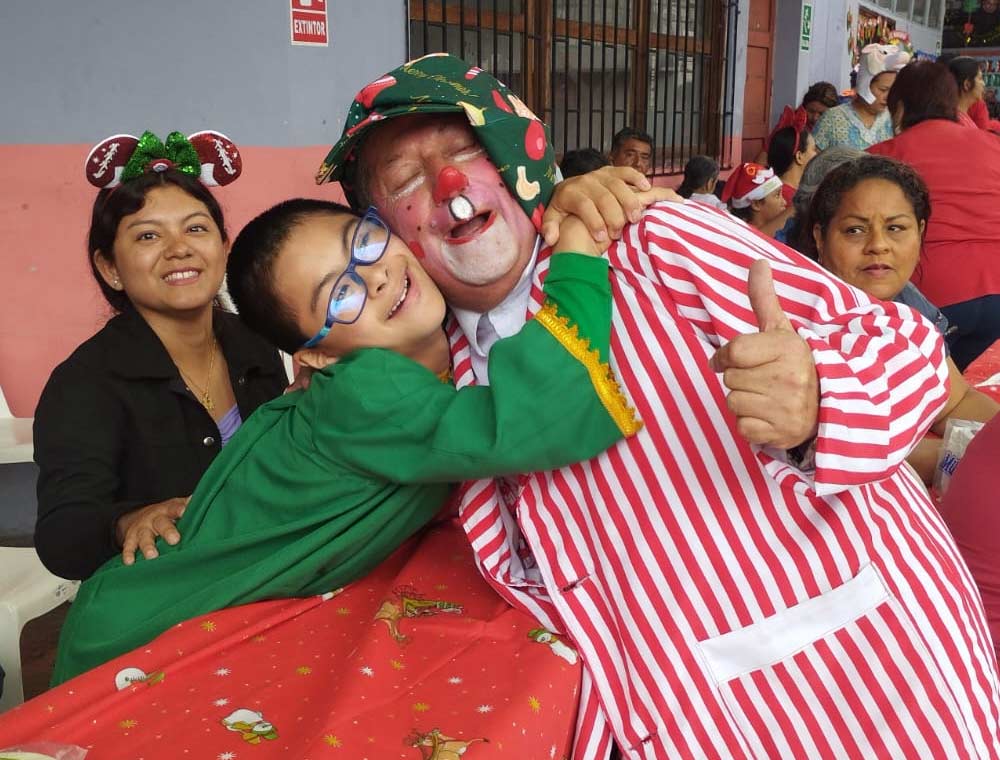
(313, 358)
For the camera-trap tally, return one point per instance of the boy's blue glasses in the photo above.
(349, 293)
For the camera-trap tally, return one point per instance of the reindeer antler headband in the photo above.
(210, 156)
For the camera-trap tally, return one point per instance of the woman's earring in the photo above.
(117, 283)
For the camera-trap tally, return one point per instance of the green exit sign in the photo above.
(807, 26)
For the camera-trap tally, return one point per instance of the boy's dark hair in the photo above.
(630, 133)
(845, 178)
(582, 161)
(250, 271)
(926, 90)
(698, 172)
(112, 205)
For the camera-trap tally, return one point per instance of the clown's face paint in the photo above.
(438, 190)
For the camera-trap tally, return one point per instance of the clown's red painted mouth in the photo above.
(466, 231)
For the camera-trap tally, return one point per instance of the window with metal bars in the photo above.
(590, 68)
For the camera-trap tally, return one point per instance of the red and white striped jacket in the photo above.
(726, 604)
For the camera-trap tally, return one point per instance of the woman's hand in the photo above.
(606, 200)
(139, 528)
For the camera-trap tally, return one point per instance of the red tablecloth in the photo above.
(983, 368)
(420, 659)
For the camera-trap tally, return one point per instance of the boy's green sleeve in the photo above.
(552, 400)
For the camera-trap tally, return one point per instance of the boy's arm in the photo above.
(553, 401)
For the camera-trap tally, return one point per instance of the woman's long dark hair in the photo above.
(698, 172)
(964, 68)
(111, 206)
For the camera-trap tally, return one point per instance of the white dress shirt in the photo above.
(502, 321)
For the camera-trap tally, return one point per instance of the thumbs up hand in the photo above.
(771, 375)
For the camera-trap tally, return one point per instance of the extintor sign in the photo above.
(309, 22)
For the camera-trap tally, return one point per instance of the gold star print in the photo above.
(332, 741)
(534, 704)
(441, 587)
(50, 708)
(304, 670)
(343, 611)
(128, 723)
(421, 707)
(396, 664)
(208, 625)
(259, 638)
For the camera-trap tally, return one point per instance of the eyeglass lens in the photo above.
(348, 298)
(369, 240)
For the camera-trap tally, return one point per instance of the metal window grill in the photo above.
(591, 68)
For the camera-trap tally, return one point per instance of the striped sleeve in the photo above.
(881, 366)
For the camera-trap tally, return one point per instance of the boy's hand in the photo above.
(302, 379)
(606, 200)
(138, 529)
(575, 237)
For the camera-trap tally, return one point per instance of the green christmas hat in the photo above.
(516, 141)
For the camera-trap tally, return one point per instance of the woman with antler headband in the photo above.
(130, 421)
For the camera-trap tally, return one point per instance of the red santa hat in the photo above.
(748, 183)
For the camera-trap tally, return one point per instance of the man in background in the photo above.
(632, 147)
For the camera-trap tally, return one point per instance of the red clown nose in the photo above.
(450, 182)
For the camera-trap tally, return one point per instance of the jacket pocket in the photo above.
(843, 675)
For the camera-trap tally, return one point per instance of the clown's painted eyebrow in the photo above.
(346, 237)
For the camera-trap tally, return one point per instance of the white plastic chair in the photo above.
(4, 409)
(27, 591)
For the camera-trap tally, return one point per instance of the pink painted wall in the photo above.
(50, 303)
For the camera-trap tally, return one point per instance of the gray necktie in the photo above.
(486, 334)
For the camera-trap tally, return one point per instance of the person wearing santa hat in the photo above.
(753, 193)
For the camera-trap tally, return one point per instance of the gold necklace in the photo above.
(206, 397)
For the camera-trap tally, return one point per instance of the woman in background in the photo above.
(819, 98)
(127, 425)
(790, 148)
(971, 87)
(864, 121)
(960, 269)
(701, 175)
(753, 193)
(867, 220)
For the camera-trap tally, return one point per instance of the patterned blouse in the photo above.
(841, 125)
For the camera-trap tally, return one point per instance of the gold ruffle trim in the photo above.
(601, 375)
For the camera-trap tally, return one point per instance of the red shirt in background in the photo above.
(979, 114)
(787, 192)
(961, 167)
(972, 513)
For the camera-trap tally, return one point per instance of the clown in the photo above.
(752, 575)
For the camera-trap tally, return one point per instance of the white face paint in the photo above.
(485, 259)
